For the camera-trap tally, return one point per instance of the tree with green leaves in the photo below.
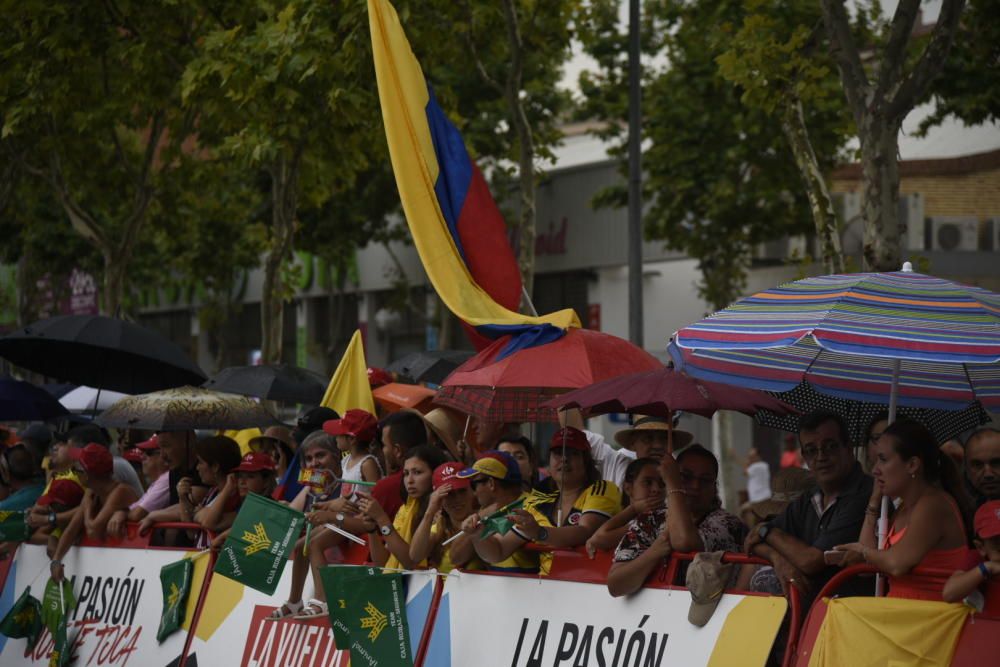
(287, 90)
(90, 106)
(778, 59)
(882, 82)
(968, 87)
(718, 174)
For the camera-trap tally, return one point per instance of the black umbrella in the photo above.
(944, 424)
(429, 366)
(100, 351)
(23, 401)
(186, 408)
(281, 382)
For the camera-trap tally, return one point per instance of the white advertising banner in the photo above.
(495, 621)
(119, 604)
(233, 628)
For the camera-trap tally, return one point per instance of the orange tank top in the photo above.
(927, 588)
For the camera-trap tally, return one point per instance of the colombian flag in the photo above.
(456, 226)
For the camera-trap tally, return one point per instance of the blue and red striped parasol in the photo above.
(856, 336)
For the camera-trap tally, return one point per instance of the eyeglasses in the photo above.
(688, 478)
(827, 448)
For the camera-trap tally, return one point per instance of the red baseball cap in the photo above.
(152, 443)
(360, 424)
(256, 462)
(447, 473)
(378, 377)
(570, 438)
(63, 492)
(987, 521)
(94, 458)
(132, 454)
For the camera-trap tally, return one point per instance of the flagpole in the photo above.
(635, 324)
(527, 301)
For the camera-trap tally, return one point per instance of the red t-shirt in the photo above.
(790, 459)
(389, 493)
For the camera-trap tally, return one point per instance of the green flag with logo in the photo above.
(23, 619)
(368, 613)
(57, 603)
(175, 580)
(498, 523)
(14, 527)
(257, 547)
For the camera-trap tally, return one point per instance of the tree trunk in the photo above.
(114, 283)
(880, 197)
(284, 203)
(820, 203)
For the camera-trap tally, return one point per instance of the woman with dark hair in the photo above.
(929, 527)
(580, 503)
(643, 491)
(693, 521)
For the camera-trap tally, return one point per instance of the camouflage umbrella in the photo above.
(186, 408)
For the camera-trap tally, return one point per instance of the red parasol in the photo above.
(663, 391)
(513, 388)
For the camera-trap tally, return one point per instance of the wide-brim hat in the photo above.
(275, 434)
(786, 485)
(446, 425)
(627, 436)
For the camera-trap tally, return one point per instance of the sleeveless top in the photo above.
(926, 588)
(354, 473)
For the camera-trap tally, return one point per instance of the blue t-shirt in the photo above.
(22, 499)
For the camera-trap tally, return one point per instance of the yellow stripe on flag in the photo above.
(748, 632)
(403, 96)
(888, 631)
(349, 386)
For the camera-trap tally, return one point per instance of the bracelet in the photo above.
(54, 563)
(874, 511)
(985, 571)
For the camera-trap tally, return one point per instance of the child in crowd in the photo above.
(985, 566)
(354, 433)
(390, 542)
(63, 495)
(254, 474)
(451, 502)
(644, 491)
(60, 467)
(103, 497)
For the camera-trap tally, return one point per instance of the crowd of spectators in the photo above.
(396, 483)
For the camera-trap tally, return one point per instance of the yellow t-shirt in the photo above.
(601, 497)
(522, 560)
(446, 565)
(405, 524)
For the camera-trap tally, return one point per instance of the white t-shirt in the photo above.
(758, 481)
(611, 462)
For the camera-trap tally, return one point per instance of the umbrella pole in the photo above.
(883, 519)
(527, 301)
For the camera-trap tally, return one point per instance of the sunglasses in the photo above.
(827, 448)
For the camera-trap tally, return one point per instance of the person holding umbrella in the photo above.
(647, 437)
(929, 527)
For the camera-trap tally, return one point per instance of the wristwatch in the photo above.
(339, 519)
(52, 518)
(762, 531)
(385, 530)
(543, 534)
